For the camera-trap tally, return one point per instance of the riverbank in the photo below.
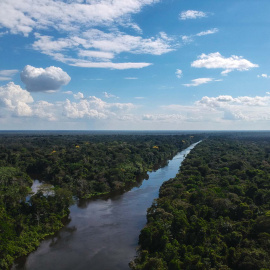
(215, 213)
(102, 233)
(80, 166)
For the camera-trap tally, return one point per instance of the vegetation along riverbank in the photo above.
(216, 213)
(78, 166)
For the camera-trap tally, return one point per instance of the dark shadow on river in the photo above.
(103, 233)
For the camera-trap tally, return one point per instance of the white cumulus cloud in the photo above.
(13, 98)
(192, 14)
(79, 95)
(17, 102)
(109, 95)
(216, 60)
(100, 48)
(263, 76)
(179, 73)
(39, 79)
(208, 32)
(23, 16)
(45, 110)
(226, 100)
(224, 108)
(81, 43)
(188, 39)
(120, 66)
(82, 109)
(96, 55)
(199, 81)
(240, 108)
(77, 22)
(93, 107)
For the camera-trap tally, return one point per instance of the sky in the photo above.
(134, 65)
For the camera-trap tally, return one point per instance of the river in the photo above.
(103, 233)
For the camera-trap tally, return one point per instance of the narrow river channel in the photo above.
(102, 234)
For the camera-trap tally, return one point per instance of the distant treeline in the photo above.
(216, 213)
(88, 165)
(80, 166)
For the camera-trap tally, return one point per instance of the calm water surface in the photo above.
(102, 234)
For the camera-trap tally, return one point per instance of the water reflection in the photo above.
(66, 231)
(46, 189)
(34, 189)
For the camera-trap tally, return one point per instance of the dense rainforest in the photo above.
(78, 166)
(216, 213)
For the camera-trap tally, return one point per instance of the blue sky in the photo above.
(134, 64)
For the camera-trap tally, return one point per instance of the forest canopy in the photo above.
(215, 214)
(78, 166)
